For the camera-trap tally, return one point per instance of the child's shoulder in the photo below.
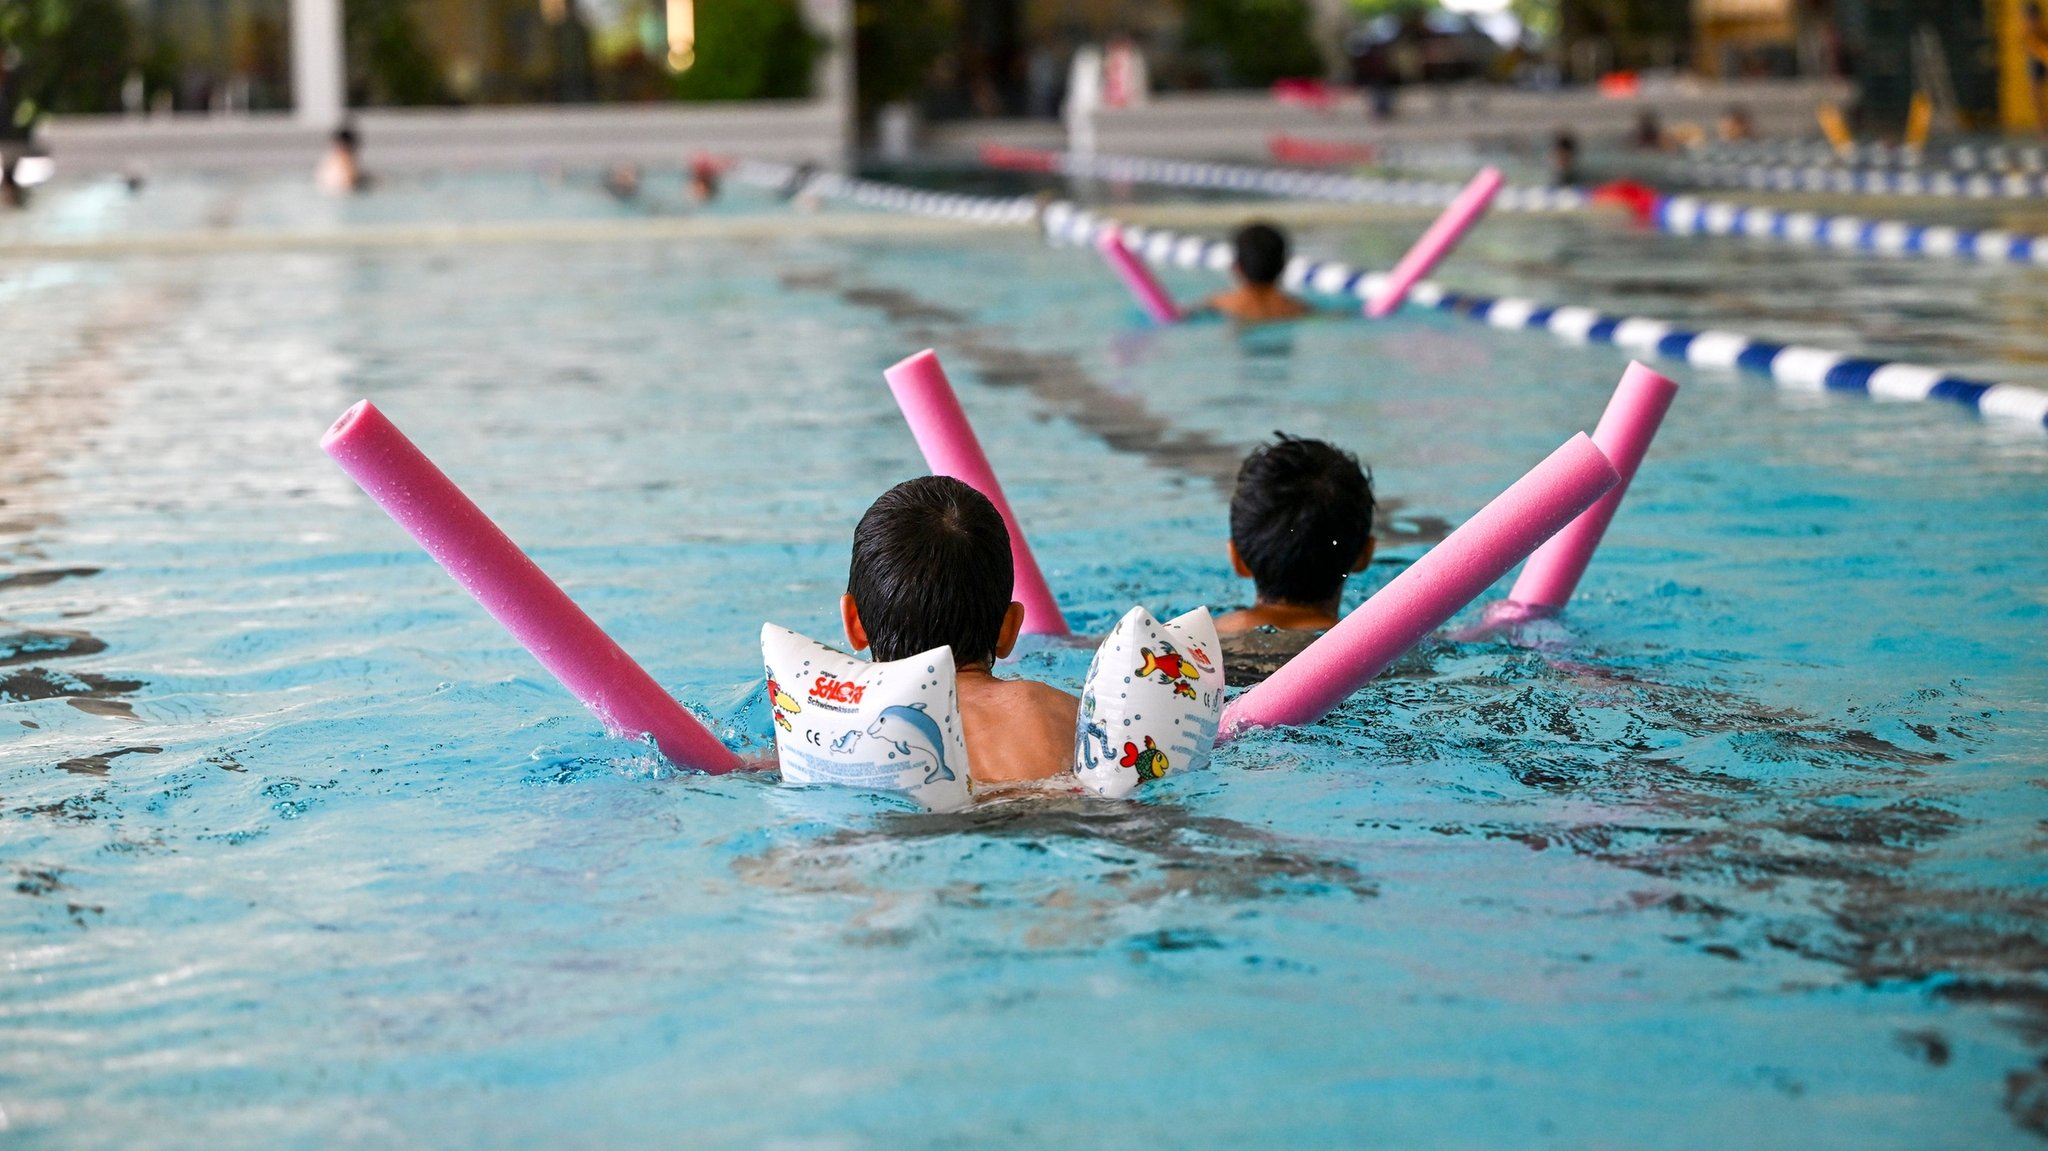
(1047, 697)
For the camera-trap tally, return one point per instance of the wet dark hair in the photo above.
(347, 138)
(1300, 516)
(1261, 252)
(931, 567)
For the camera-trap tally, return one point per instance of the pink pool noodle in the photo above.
(509, 585)
(1623, 436)
(1432, 590)
(951, 449)
(1435, 244)
(1138, 278)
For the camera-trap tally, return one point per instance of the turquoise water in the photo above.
(1746, 851)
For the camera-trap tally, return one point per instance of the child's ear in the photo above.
(1238, 565)
(849, 614)
(1013, 622)
(1364, 556)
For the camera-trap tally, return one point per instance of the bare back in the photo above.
(1016, 729)
(1258, 304)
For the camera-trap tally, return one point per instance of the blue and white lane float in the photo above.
(996, 211)
(1941, 183)
(1286, 182)
(1791, 366)
(1875, 154)
(1696, 216)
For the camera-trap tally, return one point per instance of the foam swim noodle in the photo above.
(509, 585)
(1432, 590)
(951, 449)
(1138, 278)
(1464, 211)
(1624, 435)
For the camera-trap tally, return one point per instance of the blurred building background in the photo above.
(952, 60)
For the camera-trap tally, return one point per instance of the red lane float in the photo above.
(509, 585)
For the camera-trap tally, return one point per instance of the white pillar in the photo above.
(832, 84)
(317, 69)
(1329, 21)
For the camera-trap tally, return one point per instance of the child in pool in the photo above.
(931, 566)
(1300, 525)
(1258, 297)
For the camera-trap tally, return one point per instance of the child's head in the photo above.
(1261, 253)
(931, 568)
(1300, 520)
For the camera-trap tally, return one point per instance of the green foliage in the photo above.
(896, 44)
(750, 50)
(387, 63)
(62, 56)
(1374, 9)
(1541, 19)
(1260, 41)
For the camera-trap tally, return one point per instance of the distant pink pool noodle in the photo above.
(1432, 590)
(951, 449)
(509, 585)
(1623, 436)
(1138, 278)
(1435, 244)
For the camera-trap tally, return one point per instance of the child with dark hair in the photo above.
(1258, 297)
(340, 171)
(1300, 525)
(931, 567)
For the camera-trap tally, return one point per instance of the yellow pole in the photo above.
(2022, 63)
(1919, 118)
(1836, 130)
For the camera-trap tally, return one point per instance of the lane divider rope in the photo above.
(1697, 216)
(1941, 182)
(1289, 182)
(1791, 366)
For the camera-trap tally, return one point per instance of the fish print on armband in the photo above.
(1149, 760)
(1170, 667)
(781, 703)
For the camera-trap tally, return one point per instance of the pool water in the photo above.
(1747, 850)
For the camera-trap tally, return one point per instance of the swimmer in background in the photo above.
(1258, 297)
(703, 180)
(931, 566)
(1564, 158)
(340, 173)
(1300, 525)
(12, 194)
(1736, 125)
(623, 182)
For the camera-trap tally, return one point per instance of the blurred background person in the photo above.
(1649, 133)
(1735, 125)
(12, 194)
(622, 181)
(1564, 158)
(703, 179)
(340, 173)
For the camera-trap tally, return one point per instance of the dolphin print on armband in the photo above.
(910, 728)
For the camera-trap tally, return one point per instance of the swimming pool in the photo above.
(305, 851)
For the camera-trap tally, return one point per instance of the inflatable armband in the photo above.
(886, 726)
(1151, 701)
